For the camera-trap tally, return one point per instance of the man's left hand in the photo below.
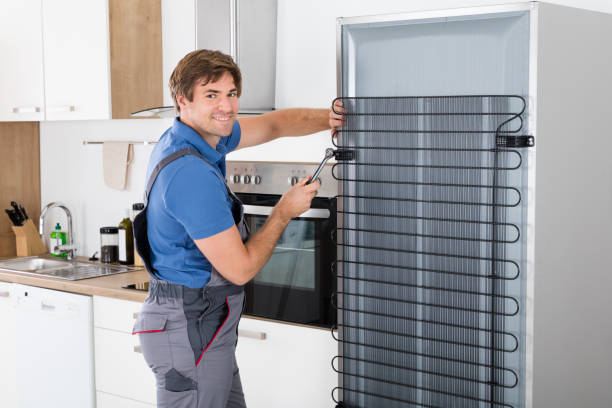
(336, 120)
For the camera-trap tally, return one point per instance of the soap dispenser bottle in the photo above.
(57, 238)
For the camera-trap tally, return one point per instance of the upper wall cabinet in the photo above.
(67, 59)
(21, 73)
(76, 59)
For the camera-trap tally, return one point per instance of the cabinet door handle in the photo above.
(138, 348)
(26, 109)
(252, 334)
(45, 306)
(62, 108)
(135, 315)
(5, 294)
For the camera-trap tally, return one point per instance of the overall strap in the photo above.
(169, 159)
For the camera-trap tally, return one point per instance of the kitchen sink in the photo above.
(32, 264)
(70, 270)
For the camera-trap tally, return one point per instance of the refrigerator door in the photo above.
(432, 211)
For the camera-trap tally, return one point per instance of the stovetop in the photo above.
(141, 286)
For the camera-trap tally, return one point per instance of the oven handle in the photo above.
(322, 213)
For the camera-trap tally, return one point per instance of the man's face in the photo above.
(214, 108)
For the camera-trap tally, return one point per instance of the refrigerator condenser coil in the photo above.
(429, 291)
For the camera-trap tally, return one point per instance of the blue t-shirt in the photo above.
(188, 201)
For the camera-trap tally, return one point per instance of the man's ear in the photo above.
(181, 100)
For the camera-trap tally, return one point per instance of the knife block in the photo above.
(27, 240)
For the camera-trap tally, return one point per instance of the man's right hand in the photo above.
(297, 199)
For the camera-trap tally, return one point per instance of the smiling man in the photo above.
(192, 236)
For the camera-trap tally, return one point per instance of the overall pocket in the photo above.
(151, 329)
(165, 349)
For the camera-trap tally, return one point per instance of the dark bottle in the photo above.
(126, 241)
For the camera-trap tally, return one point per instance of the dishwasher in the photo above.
(54, 332)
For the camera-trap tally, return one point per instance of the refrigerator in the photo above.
(475, 208)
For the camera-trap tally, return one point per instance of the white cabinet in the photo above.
(76, 59)
(8, 375)
(56, 55)
(122, 375)
(21, 71)
(54, 348)
(291, 366)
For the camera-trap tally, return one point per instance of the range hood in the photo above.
(246, 30)
(158, 112)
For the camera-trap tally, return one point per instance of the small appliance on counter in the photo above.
(109, 244)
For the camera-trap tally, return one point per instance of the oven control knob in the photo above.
(257, 179)
(293, 180)
(246, 179)
(235, 178)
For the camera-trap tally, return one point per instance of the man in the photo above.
(192, 236)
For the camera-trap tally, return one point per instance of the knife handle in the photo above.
(24, 213)
(11, 216)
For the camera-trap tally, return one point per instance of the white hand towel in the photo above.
(116, 158)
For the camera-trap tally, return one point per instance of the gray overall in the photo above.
(188, 336)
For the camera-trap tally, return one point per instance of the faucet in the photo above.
(62, 249)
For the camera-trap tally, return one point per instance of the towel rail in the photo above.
(132, 142)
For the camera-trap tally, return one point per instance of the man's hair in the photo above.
(199, 65)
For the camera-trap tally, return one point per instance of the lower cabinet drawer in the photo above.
(120, 367)
(104, 400)
(115, 314)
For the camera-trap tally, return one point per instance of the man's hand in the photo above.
(336, 119)
(297, 199)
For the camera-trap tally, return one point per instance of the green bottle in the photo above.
(58, 237)
(126, 241)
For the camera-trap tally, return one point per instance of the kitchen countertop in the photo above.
(109, 286)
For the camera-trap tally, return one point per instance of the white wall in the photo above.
(306, 77)
(72, 173)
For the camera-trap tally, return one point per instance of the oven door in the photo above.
(296, 283)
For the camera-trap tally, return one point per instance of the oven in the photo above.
(297, 282)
